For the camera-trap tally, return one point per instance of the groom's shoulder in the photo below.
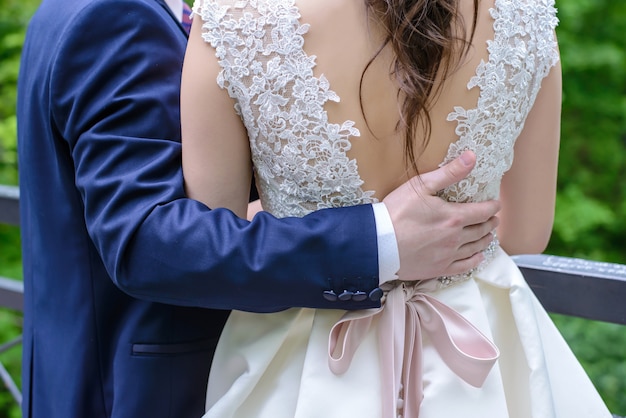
(58, 23)
(65, 13)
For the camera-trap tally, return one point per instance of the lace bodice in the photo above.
(300, 159)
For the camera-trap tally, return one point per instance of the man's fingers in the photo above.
(465, 265)
(449, 174)
(478, 216)
(470, 255)
(474, 247)
(482, 215)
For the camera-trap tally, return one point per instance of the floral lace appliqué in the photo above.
(299, 157)
(520, 56)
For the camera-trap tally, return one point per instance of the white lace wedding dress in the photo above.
(476, 345)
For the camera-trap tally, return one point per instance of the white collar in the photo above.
(177, 8)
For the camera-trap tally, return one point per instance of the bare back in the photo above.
(343, 39)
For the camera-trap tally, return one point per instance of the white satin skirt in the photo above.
(481, 348)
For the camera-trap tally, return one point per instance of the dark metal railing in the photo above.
(9, 205)
(11, 290)
(576, 287)
(571, 286)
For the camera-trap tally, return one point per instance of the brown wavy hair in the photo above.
(427, 38)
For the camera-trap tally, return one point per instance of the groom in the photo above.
(127, 282)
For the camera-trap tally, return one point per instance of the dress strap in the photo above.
(406, 313)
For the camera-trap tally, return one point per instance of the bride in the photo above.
(337, 102)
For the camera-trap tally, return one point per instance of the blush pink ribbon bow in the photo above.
(406, 312)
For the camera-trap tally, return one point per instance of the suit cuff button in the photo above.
(329, 295)
(346, 295)
(359, 296)
(376, 294)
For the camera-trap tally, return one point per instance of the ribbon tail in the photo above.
(464, 349)
(346, 336)
(391, 340)
(413, 361)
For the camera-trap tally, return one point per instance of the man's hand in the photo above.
(438, 238)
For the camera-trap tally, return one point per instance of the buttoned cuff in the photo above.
(388, 254)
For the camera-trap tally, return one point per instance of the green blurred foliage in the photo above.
(591, 202)
(590, 217)
(13, 17)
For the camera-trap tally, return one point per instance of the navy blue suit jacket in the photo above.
(127, 282)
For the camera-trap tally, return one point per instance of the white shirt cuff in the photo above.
(388, 254)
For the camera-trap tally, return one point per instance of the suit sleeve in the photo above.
(115, 88)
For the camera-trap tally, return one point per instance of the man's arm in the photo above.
(116, 85)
